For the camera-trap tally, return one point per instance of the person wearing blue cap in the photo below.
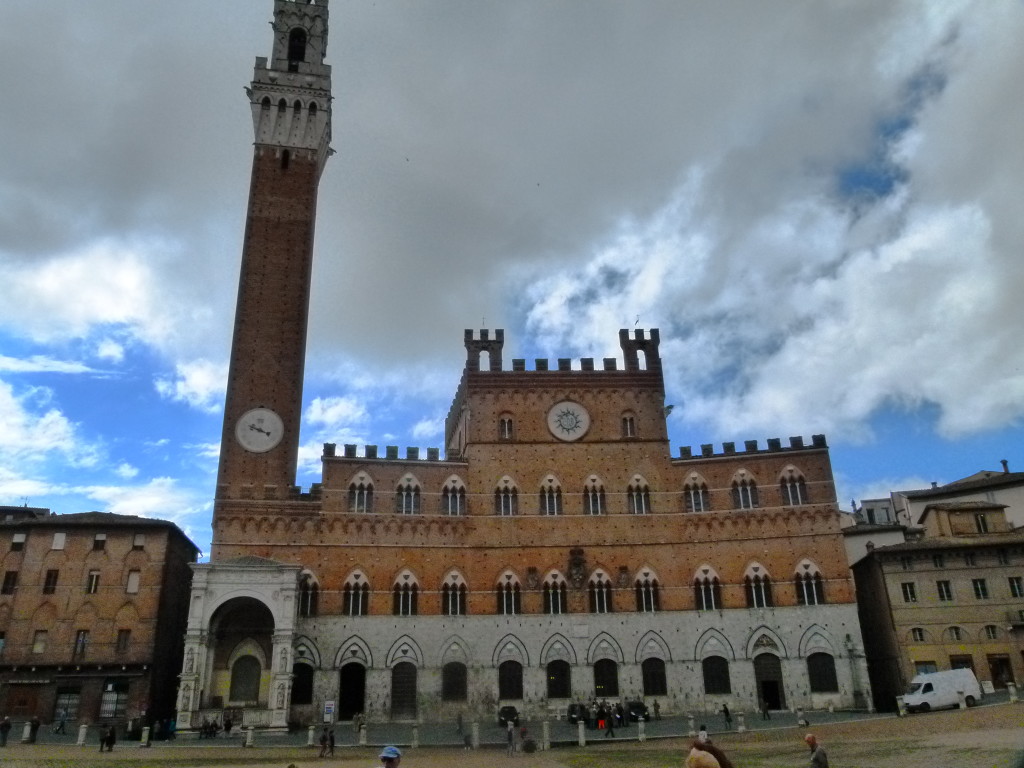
(390, 757)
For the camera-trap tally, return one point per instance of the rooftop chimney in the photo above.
(1006, 465)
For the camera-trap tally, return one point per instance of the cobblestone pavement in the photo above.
(990, 735)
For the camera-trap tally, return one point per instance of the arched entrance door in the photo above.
(403, 691)
(606, 678)
(351, 691)
(768, 676)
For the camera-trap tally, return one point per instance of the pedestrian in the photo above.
(5, 728)
(111, 738)
(390, 757)
(330, 743)
(657, 710)
(33, 729)
(765, 715)
(727, 715)
(511, 737)
(228, 725)
(818, 757)
(609, 725)
(172, 727)
(458, 723)
(702, 734)
(323, 742)
(706, 755)
(62, 721)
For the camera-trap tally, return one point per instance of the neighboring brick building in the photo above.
(554, 553)
(950, 595)
(92, 610)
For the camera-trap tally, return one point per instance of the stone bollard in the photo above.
(741, 722)
(1011, 689)
(250, 737)
(26, 733)
(415, 735)
(144, 741)
(311, 736)
(693, 730)
(581, 733)
(799, 714)
(901, 707)
(362, 734)
(545, 735)
(474, 735)
(962, 698)
(83, 732)
(831, 707)
(641, 730)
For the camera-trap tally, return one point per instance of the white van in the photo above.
(935, 690)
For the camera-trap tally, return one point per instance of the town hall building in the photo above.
(554, 550)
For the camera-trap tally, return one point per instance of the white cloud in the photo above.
(332, 413)
(426, 428)
(162, 498)
(41, 364)
(109, 349)
(31, 430)
(198, 383)
(125, 470)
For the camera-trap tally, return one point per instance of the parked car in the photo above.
(508, 713)
(574, 713)
(637, 709)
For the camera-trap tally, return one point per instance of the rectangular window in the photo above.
(18, 542)
(114, 701)
(628, 426)
(939, 561)
(981, 522)
(139, 542)
(925, 667)
(980, 588)
(918, 634)
(1003, 557)
(906, 563)
(991, 631)
(124, 637)
(66, 706)
(969, 560)
(92, 583)
(99, 542)
(945, 590)
(39, 641)
(909, 592)
(50, 585)
(1016, 586)
(10, 583)
(133, 582)
(81, 643)
(58, 540)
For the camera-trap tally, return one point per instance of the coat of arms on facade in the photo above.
(577, 568)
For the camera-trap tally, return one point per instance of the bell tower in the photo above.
(290, 96)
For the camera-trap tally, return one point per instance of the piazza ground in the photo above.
(987, 736)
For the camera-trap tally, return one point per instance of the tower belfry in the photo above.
(290, 96)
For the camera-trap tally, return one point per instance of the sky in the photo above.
(817, 203)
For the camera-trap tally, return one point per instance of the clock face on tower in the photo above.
(568, 421)
(259, 430)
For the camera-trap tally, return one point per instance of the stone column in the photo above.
(311, 736)
(641, 730)
(693, 729)
(581, 733)
(474, 734)
(1011, 689)
(144, 741)
(545, 735)
(415, 735)
(250, 736)
(741, 722)
(83, 732)
(281, 680)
